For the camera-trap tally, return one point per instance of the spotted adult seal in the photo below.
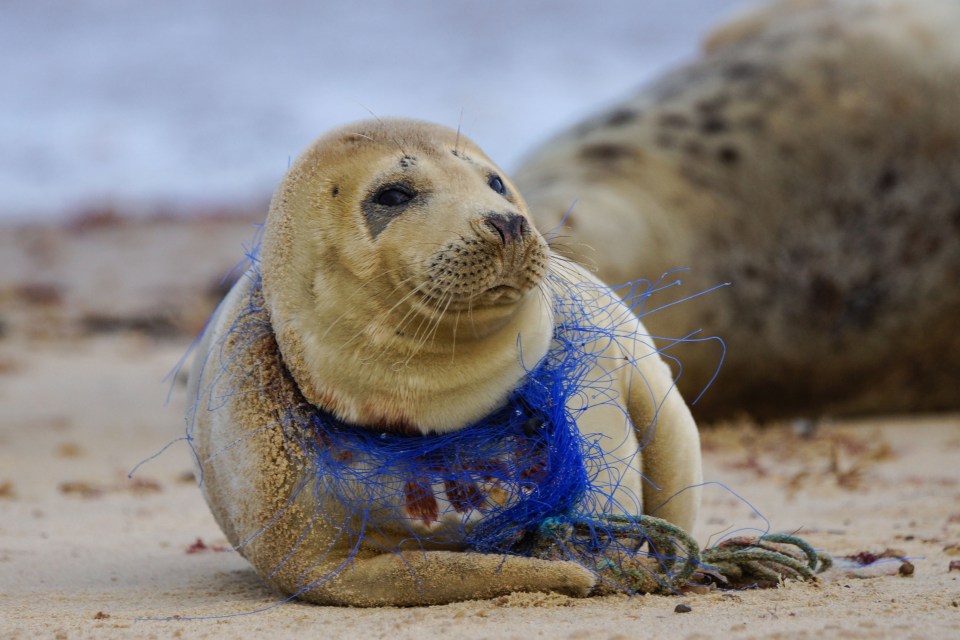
(811, 157)
(401, 289)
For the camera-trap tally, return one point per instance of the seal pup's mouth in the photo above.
(471, 274)
(502, 289)
(501, 294)
(497, 294)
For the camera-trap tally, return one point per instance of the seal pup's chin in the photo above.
(501, 294)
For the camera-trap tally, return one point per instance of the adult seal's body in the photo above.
(811, 158)
(401, 289)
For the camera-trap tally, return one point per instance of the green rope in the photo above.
(611, 546)
(765, 560)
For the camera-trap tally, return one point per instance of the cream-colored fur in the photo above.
(421, 323)
(811, 157)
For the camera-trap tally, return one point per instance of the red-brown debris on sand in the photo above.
(868, 557)
(200, 546)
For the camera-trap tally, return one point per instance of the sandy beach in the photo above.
(95, 314)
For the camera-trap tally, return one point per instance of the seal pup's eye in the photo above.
(394, 196)
(497, 185)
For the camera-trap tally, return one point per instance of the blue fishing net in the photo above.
(524, 480)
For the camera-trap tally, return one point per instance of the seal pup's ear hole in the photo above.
(394, 195)
(497, 184)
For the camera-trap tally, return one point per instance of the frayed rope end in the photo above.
(611, 545)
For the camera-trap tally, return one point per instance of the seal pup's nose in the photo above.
(510, 226)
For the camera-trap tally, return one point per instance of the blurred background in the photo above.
(139, 145)
(185, 106)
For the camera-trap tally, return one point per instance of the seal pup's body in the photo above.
(403, 288)
(811, 158)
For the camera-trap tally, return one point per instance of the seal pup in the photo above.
(402, 288)
(811, 157)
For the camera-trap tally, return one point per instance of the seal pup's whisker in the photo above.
(363, 286)
(432, 327)
(385, 128)
(386, 315)
(456, 141)
(453, 338)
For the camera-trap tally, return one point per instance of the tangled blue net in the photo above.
(524, 480)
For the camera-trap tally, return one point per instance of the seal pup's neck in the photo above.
(438, 376)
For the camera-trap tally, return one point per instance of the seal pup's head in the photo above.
(402, 273)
